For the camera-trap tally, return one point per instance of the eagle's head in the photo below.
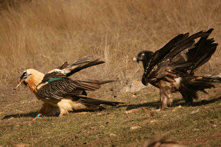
(30, 77)
(144, 57)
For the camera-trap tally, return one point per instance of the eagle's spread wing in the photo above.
(84, 62)
(59, 88)
(175, 57)
(67, 70)
(51, 75)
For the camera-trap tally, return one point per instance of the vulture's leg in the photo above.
(165, 97)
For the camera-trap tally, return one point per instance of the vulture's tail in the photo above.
(190, 86)
(209, 79)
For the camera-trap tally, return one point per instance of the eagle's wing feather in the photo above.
(74, 69)
(82, 60)
(66, 70)
(52, 75)
(60, 88)
(66, 87)
(82, 63)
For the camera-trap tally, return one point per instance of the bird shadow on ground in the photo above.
(155, 104)
(34, 114)
(19, 115)
(206, 102)
(176, 102)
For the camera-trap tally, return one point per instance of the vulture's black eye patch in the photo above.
(24, 75)
(25, 83)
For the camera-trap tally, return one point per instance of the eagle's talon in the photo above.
(38, 116)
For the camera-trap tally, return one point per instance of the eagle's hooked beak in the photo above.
(21, 81)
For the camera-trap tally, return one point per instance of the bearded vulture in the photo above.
(171, 68)
(56, 90)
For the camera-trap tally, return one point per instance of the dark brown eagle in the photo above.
(172, 67)
(56, 90)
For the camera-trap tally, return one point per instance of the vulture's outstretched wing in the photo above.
(202, 52)
(57, 88)
(175, 57)
(160, 54)
(199, 54)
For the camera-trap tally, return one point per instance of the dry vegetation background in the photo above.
(42, 34)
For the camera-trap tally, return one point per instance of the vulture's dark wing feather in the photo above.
(199, 54)
(66, 87)
(159, 56)
(169, 58)
(161, 53)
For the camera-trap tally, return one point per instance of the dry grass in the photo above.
(42, 34)
(130, 125)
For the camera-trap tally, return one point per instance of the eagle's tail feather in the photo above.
(94, 101)
(92, 85)
(97, 81)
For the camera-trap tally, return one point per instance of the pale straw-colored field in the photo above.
(42, 34)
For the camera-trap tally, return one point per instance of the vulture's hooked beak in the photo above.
(21, 81)
(135, 59)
